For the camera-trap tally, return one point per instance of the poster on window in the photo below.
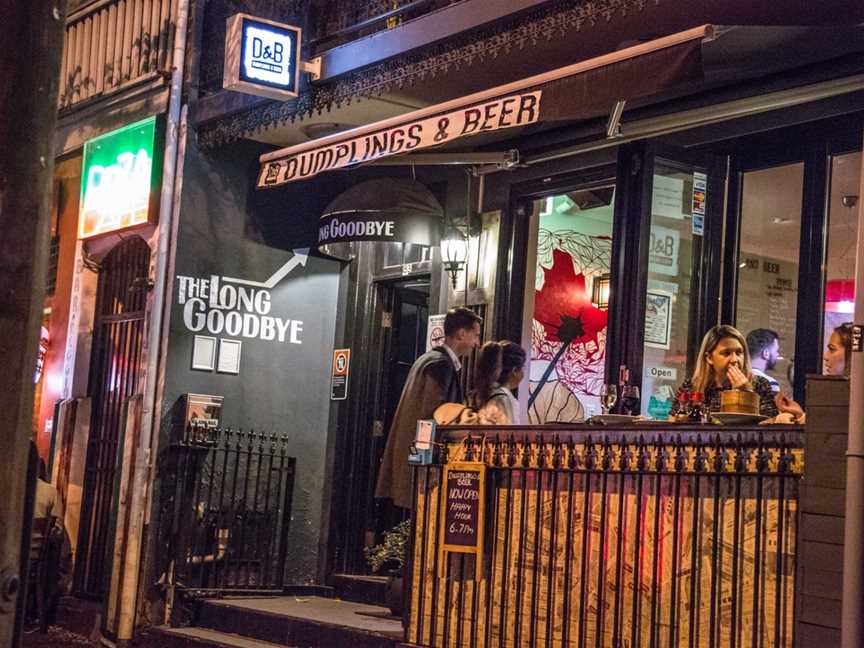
(663, 246)
(658, 319)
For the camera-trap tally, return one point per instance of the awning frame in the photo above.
(697, 33)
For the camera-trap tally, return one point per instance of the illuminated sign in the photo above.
(117, 179)
(262, 57)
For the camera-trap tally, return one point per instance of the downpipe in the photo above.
(141, 488)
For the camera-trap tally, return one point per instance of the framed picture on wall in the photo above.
(229, 356)
(204, 353)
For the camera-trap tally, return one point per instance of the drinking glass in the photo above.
(630, 398)
(608, 397)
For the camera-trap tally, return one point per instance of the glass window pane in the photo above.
(667, 306)
(768, 263)
(842, 239)
(573, 259)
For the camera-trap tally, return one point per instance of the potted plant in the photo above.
(391, 554)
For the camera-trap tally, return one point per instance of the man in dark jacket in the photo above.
(433, 380)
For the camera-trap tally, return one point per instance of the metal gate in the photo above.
(231, 511)
(118, 334)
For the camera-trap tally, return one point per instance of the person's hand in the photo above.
(786, 404)
(737, 378)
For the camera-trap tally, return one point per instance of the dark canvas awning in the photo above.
(690, 60)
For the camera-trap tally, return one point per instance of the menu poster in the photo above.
(463, 495)
(658, 319)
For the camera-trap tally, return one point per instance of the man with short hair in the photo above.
(764, 347)
(433, 380)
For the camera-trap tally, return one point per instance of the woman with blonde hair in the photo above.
(724, 363)
(499, 372)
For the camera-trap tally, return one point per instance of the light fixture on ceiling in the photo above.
(778, 220)
(600, 290)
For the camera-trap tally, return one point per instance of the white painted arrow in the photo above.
(299, 258)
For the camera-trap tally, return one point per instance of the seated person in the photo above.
(764, 347)
(837, 359)
(499, 371)
(724, 363)
(50, 554)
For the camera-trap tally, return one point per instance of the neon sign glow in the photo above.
(117, 179)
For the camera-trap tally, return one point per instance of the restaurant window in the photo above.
(678, 194)
(569, 318)
(842, 241)
(768, 260)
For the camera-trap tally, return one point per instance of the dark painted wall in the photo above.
(282, 386)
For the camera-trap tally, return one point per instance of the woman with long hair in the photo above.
(724, 363)
(837, 358)
(499, 371)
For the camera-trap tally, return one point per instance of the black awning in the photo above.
(680, 63)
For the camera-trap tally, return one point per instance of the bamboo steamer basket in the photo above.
(739, 401)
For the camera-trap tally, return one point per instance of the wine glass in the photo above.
(608, 397)
(630, 398)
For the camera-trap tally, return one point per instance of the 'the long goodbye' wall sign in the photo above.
(463, 498)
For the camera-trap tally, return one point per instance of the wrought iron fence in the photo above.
(232, 508)
(623, 542)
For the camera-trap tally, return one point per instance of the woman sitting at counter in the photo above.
(499, 372)
(837, 361)
(724, 363)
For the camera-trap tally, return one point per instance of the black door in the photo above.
(409, 311)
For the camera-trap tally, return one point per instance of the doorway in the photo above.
(403, 341)
(115, 365)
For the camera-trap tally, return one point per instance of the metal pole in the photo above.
(141, 485)
(852, 634)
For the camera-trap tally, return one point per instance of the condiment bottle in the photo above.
(697, 408)
(683, 398)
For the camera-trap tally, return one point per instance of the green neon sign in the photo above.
(117, 179)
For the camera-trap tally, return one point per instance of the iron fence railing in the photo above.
(232, 508)
(635, 539)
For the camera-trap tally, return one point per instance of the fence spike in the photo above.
(681, 455)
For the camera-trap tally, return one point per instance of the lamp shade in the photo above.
(454, 247)
(600, 290)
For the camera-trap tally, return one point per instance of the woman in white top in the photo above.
(499, 371)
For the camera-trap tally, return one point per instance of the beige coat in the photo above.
(432, 380)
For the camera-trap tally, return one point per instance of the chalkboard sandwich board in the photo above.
(464, 496)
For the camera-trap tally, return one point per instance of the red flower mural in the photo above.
(563, 297)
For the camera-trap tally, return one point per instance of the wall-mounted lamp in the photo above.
(600, 290)
(454, 251)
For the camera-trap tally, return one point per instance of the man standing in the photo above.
(764, 347)
(433, 380)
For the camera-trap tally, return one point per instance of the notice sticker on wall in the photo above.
(339, 374)
(858, 338)
(700, 197)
